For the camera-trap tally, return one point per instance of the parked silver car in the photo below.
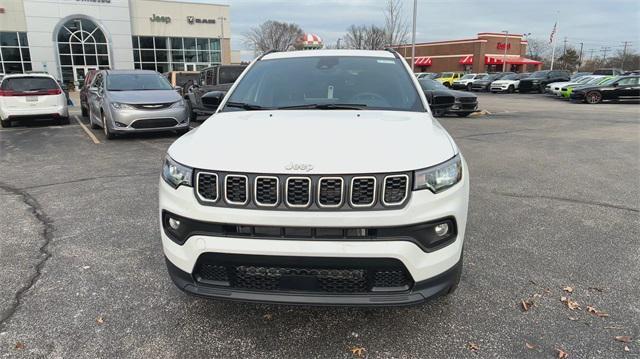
(135, 101)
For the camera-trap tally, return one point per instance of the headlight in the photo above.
(176, 174)
(440, 177)
(178, 104)
(122, 106)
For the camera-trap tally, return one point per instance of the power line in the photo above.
(591, 51)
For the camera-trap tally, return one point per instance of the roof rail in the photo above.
(393, 51)
(266, 53)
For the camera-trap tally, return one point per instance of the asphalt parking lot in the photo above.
(555, 203)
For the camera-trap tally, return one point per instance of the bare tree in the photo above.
(363, 37)
(273, 35)
(396, 25)
(538, 49)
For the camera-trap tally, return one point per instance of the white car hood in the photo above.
(505, 82)
(327, 141)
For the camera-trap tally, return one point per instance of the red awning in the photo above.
(467, 60)
(423, 61)
(518, 60)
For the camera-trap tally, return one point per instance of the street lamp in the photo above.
(504, 57)
(526, 38)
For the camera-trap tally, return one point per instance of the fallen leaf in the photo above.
(20, 346)
(596, 312)
(526, 304)
(99, 320)
(537, 295)
(267, 316)
(473, 347)
(623, 338)
(571, 304)
(358, 351)
(562, 354)
(547, 290)
(568, 289)
(529, 346)
(626, 348)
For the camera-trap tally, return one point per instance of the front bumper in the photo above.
(458, 86)
(576, 96)
(168, 119)
(464, 107)
(432, 272)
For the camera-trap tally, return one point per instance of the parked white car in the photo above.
(556, 87)
(321, 179)
(508, 83)
(464, 83)
(31, 96)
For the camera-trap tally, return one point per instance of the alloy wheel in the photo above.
(593, 97)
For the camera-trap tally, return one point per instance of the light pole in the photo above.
(504, 57)
(526, 38)
(413, 37)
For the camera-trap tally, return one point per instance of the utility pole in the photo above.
(591, 51)
(604, 50)
(338, 44)
(413, 37)
(504, 57)
(564, 53)
(580, 57)
(624, 54)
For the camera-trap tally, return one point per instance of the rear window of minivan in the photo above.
(29, 83)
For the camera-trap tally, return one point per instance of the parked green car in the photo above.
(566, 91)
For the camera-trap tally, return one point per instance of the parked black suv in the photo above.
(217, 78)
(540, 79)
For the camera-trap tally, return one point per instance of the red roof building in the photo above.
(486, 53)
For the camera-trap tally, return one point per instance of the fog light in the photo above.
(119, 124)
(174, 223)
(442, 229)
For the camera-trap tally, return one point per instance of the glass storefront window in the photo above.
(189, 43)
(9, 39)
(174, 53)
(146, 42)
(82, 43)
(176, 43)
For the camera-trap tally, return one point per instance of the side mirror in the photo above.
(177, 88)
(212, 99)
(93, 90)
(615, 84)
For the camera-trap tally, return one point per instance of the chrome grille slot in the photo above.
(298, 191)
(363, 191)
(207, 186)
(266, 191)
(330, 191)
(395, 189)
(236, 189)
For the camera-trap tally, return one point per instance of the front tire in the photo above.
(593, 97)
(85, 112)
(107, 132)
(5, 123)
(541, 88)
(469, 87)
(63, 121)
(511, 89)
(447, 84)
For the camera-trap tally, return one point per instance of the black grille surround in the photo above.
(395, 190)
(207, 184)
(154, 123)
(152, 106)
(305, 192)
(302, 274)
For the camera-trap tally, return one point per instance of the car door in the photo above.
(94, 96)
(625, 89)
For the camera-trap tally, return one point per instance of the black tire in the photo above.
(182, 132)
(511, 89)
(85, 112)
(541, 88)
(93, 124)
(593, 97)
(463, 114)
(63, 121)
(107, 132)
(447, 84)
(469, 87)
(5, 123)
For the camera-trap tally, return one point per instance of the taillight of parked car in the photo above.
(8, 93)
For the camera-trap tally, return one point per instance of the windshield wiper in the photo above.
(246, 106)
(326, 106)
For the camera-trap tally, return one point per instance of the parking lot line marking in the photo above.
(89, 133)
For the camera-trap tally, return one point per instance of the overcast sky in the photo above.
(597, 23)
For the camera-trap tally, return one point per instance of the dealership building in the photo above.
(67, 38)
(485, 53)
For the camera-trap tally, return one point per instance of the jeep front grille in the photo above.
(310, 192)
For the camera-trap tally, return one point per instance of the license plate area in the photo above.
(32, 98)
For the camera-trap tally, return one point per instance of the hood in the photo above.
(331, 141)
(459, 94)
(145, 97)
(505, 82)
(559, 84)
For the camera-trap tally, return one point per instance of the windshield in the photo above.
(430, 85)
(511, 77)
(446, 74)
(314, 81)
(137, 82)
(583, 79)
(609, 81)
(539, 74)
(597, 79)
(468, 77)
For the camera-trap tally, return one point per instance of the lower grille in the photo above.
(308, 274)
(154, 123)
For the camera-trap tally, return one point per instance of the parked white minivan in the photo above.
(31, 96)
(322, 179)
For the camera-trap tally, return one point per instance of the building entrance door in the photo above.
(190, 67)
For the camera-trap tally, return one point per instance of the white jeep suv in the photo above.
(321, 179)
